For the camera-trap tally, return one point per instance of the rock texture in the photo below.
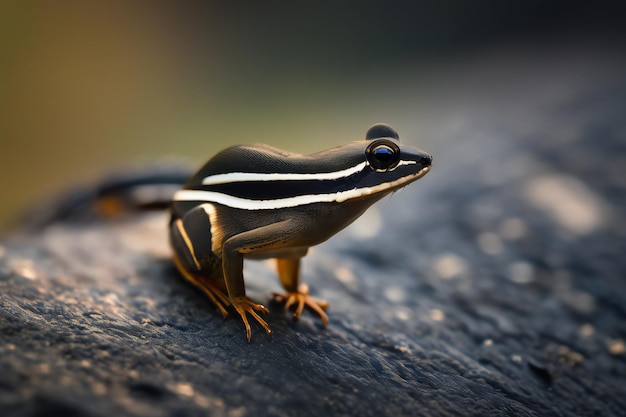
(494, 286)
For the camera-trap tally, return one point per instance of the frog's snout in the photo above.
(426, 160)
(423, 159)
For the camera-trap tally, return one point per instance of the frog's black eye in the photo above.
(381, 130)
(383, 154)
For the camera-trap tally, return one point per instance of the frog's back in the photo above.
(265, 159)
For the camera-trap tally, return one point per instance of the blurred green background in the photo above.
(88, 87)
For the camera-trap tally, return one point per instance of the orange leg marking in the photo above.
(215, 290)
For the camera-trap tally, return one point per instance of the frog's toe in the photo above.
(245, 306)
(301, 299)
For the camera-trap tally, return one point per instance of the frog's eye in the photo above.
(383, 155)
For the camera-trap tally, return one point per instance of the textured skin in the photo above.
(528, 326)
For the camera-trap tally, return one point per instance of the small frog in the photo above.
(259, 202)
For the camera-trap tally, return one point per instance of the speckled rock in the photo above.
(494, 286)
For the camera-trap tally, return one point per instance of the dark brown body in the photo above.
(259, 202)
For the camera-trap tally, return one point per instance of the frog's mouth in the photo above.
(408, 179)
(385, 187)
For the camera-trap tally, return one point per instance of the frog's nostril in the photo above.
(426, 160)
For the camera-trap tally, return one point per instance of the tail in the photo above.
(149, 188)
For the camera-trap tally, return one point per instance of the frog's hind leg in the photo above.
(192, 240)
(213, 288)
(297, 294)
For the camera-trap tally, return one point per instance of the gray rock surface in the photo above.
(494, 286)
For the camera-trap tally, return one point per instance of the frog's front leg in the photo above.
(297, 294)
(267, 238)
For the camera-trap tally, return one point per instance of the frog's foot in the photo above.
(215, 290)
(301, 299)
(244, 306)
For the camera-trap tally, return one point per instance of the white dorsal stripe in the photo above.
(255, 176)
(300, 200)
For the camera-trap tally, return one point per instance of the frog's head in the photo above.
(378, 165)
(390, 162)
